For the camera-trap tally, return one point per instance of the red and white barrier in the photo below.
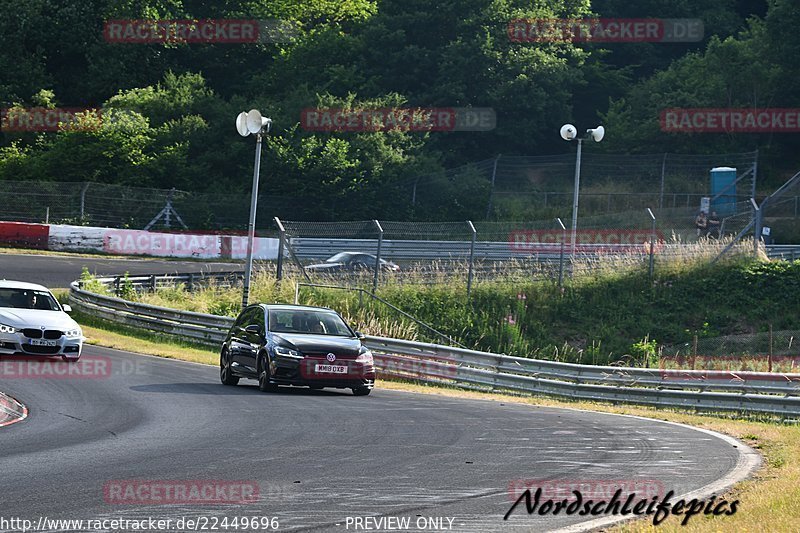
(133, 242)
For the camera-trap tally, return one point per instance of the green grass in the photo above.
(609, 313)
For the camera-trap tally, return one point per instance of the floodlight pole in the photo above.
(251, 227)
(575, 197)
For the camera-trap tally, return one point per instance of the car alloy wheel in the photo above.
(264, 384)
(225, 374)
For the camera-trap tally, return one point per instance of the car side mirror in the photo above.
(253, 328)
(360, 335)
(67, 308)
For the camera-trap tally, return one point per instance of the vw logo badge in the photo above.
(331, 357)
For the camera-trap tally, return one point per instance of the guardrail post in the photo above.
(281, 239)
(377, 256)
(191, 282)
(561, 254)
(652, 243)
(153, 282)
(756, 226)
(471, 257)
(116, 286)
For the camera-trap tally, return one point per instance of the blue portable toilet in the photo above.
(723, 190)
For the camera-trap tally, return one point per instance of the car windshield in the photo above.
(28, 299)
(308, 321)
(341, 257)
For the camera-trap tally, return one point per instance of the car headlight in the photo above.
(286, 352)
(7, 329)
(73, 333)
(365, 357)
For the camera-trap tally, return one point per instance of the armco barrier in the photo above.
(742, 392)
(20, 234)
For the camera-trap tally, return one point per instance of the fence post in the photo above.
(153, 282)
(281, 238)
(769, 358)
(83, 200)
(377, 257)
(652, 243)
(471, 257)
(491, 191)
(116, 286)
(561, 253)
(756, 226)
(663, 172)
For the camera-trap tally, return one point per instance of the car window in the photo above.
(28, 299)
(252, 315)
(308, 321)
(341, 257)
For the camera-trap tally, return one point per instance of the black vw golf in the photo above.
(295, 345)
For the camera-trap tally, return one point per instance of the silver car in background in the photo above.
(32, 322)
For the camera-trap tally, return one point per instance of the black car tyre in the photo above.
(69, 359)
(225, 374)
(361, 391)
(264, 384)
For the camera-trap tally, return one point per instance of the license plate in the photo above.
(39, 342)
(330, 369)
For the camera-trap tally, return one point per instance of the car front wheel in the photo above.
(361, 391)
(264, 384)
(225, 374)
(69, 359)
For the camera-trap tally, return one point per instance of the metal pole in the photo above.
(281, 239)
(251, 227)
(83, 199)
(377, 257)
(471, 257)
(755, 174)
(47, 215)
(756, 225)
(491, 191)
(561, 255)
(296, 292)
(652, 242)
(575, 195)
(663, 171)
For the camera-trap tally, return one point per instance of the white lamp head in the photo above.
(241, 124)
(568, 132)
(597, 133)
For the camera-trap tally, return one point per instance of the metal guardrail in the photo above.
(789, 252)
(742, 392)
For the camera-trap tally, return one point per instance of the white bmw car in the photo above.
(32, 322)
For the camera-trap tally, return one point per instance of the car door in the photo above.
(241, 345)
(253, 340)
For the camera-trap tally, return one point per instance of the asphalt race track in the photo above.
(316, 457)
(54, 271)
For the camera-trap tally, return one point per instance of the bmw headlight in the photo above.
(7, 329)
(73, 333)
(286, 352)
(365, 357)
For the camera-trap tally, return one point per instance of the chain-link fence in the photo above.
(531, 188)
(372, 252)
(766, 351)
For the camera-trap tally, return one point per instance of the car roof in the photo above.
(289, 307)
(10, 284)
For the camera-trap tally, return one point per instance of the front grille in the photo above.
(51, 334)
(32, 333)
(30, 348)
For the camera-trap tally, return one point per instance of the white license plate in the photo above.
(39, 342)
(330, 369)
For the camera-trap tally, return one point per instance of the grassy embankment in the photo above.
(607, 314)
